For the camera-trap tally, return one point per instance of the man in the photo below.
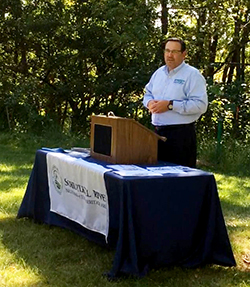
(176, 97)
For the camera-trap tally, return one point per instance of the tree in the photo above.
(62, 60)
(72, 58)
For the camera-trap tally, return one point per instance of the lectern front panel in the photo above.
(102, 139)
(122, 141)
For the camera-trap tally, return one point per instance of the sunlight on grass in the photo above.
(13, 275)
(234, 193)
(234, 189)
(12, 188)
(10, 168)
(10, 202)
(13, 269)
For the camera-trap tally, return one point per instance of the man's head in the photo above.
(174, 52)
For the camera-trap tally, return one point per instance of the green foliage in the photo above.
(229, 156)
(74, 58)
(61, 60)
(231, 104)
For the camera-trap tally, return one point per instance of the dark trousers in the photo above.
(180, 146)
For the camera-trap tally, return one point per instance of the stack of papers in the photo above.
(134, 170)
(171, 169)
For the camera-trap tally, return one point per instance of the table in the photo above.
(171, 220)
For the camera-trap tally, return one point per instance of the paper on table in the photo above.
(132, 170)
(137, 173)
(171, 169)
(125, 167)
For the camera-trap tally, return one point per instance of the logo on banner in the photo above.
(57, 179)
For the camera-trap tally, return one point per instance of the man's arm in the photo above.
(196, 101)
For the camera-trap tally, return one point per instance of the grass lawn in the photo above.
(33, 255)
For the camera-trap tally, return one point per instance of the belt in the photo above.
(169, 127)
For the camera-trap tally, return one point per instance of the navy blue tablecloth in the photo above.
(175, 219)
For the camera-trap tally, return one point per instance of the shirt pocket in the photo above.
(178, 89)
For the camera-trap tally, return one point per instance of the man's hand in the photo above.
(157, 107)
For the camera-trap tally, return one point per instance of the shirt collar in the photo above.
(175, 70)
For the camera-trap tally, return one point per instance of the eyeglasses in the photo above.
(174, 52)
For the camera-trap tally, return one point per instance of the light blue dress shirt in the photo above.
(186, 86)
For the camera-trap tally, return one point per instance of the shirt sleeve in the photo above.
(148, 96)
(196, 101)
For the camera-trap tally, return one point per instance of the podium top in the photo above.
(133, 121)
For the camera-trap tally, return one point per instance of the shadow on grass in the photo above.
(66, 259)
(234, 210)
(62, 257)
(16, 156)
(229, 171)
(29, 143)
(17, 178)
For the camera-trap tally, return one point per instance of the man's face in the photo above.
(172, 55)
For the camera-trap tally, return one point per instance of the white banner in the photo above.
(77, 191)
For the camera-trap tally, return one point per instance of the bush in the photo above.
(230, 156)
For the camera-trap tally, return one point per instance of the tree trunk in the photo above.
(164, 17)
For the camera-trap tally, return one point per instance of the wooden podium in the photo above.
(122, 141)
